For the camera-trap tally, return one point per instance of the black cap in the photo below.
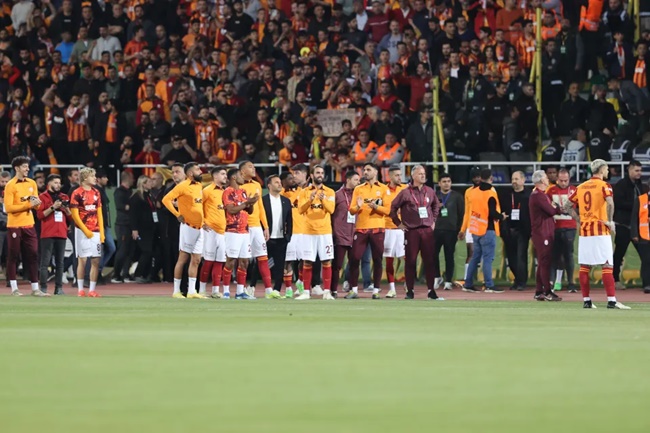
(475, 172)
(101, 173)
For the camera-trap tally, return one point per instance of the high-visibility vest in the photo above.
(644, 229)
(480, 212)
(640, 74)
(590, 15)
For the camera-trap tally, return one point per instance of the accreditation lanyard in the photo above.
(422, 210)
(514, 216)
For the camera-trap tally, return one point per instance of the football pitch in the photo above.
(150, 364)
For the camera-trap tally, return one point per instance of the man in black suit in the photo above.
(278, 215)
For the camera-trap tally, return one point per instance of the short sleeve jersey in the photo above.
(590, 198)
(237, 223)
(88, 202)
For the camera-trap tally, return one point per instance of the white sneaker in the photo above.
(391, 294)
(620, 306)
(439, 299)
(16, 293)
(448, 286)
(327, 296)
(250, 291)
(317, 290)
(437, 283)
(303, 297)
(64, 279)
(216, 295)
(132, 269)
(370, 289)
(346, 286)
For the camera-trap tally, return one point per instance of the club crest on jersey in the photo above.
(198, 200)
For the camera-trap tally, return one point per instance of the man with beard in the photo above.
(189, 197)
(54, 215)
(316, 203)
(343, 223)
(368, 205)
(170, 227)
(293, 183)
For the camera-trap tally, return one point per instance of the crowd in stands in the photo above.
(109, 83)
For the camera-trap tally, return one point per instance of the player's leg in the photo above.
(94, 274)
(209, 257)
(183, 258)
(390, 239)
(469, 243)
(192, 273)
(326, 255)
(309, 254)
(29, 246)
(81, 270)
(244, 255)
(217, 268)
(377, 250)
(259, 251)
(359, 244)
(13, 256)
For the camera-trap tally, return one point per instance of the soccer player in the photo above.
(368, 206)
(214, 227)
(464, 230)
(86, 208)
(595, 202)
(257, 225)
(316, 203)
(238, 207)
(394, 238)
(189, 196)
(21, 196)
(293, 187)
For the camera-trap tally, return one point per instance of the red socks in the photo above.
(306, 273)
(327, 275)
(584, 280)
(390, 269)
(226, 276)
(288, 280)
(300, 271)
(608, 282)
(217, 270)
(241, 276)
(206, 269)
(265, 272)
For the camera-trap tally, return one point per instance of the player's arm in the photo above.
(305, 198)
(354, 205)
(12, 205)
(262, 214)
(394, 209)
(569, 206)
(170, 197)
(329, 203)
(463, 228)
(100, 223)
(609, 201)
(79, 223)
(381, 209)
(233, 209)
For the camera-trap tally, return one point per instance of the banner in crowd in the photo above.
(330, 120)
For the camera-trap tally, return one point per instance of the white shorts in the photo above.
(85, 247)
(190, 240)
(214, 246)
(595, 250)
(294, 248)
(469, 239)
(394, 243)
(321, 245)
(258, 244)
(238, 245)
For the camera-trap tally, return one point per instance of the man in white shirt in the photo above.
(278, 215)
(105, 42)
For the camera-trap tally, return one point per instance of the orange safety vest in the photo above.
(644, 229)
(384, 153)
(480, 212)
(551, 32)
(590, 15)
(360, 154)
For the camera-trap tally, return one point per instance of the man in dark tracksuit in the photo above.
(123, 229)
(450, 220)
(626, 192)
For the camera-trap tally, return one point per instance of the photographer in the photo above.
(54, 215)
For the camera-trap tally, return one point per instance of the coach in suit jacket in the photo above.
(278, 215)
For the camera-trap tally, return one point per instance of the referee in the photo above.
(21, 197)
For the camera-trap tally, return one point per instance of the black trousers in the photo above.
(644, 252)
(621, 242)
(277, 251)
(52, 247)
(445, 239)
(124, 253)
(516, 244)
(150, 254)
(563, 253)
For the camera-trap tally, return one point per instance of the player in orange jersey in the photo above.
(595, 201)
(394, 237)
(214, 227)
(86, 208)
(189, 197)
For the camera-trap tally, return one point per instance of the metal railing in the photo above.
(579, 175)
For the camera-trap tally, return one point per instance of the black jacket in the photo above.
(141, 215)
(287, 217)
(121, 197)
(625, 194)
(510, 199)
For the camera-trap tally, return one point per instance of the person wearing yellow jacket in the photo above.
(86, 209)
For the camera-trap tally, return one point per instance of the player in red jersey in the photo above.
(86, 208)
(238, 246)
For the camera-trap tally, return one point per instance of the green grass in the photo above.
(161, 365)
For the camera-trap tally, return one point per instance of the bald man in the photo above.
(516, 230)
